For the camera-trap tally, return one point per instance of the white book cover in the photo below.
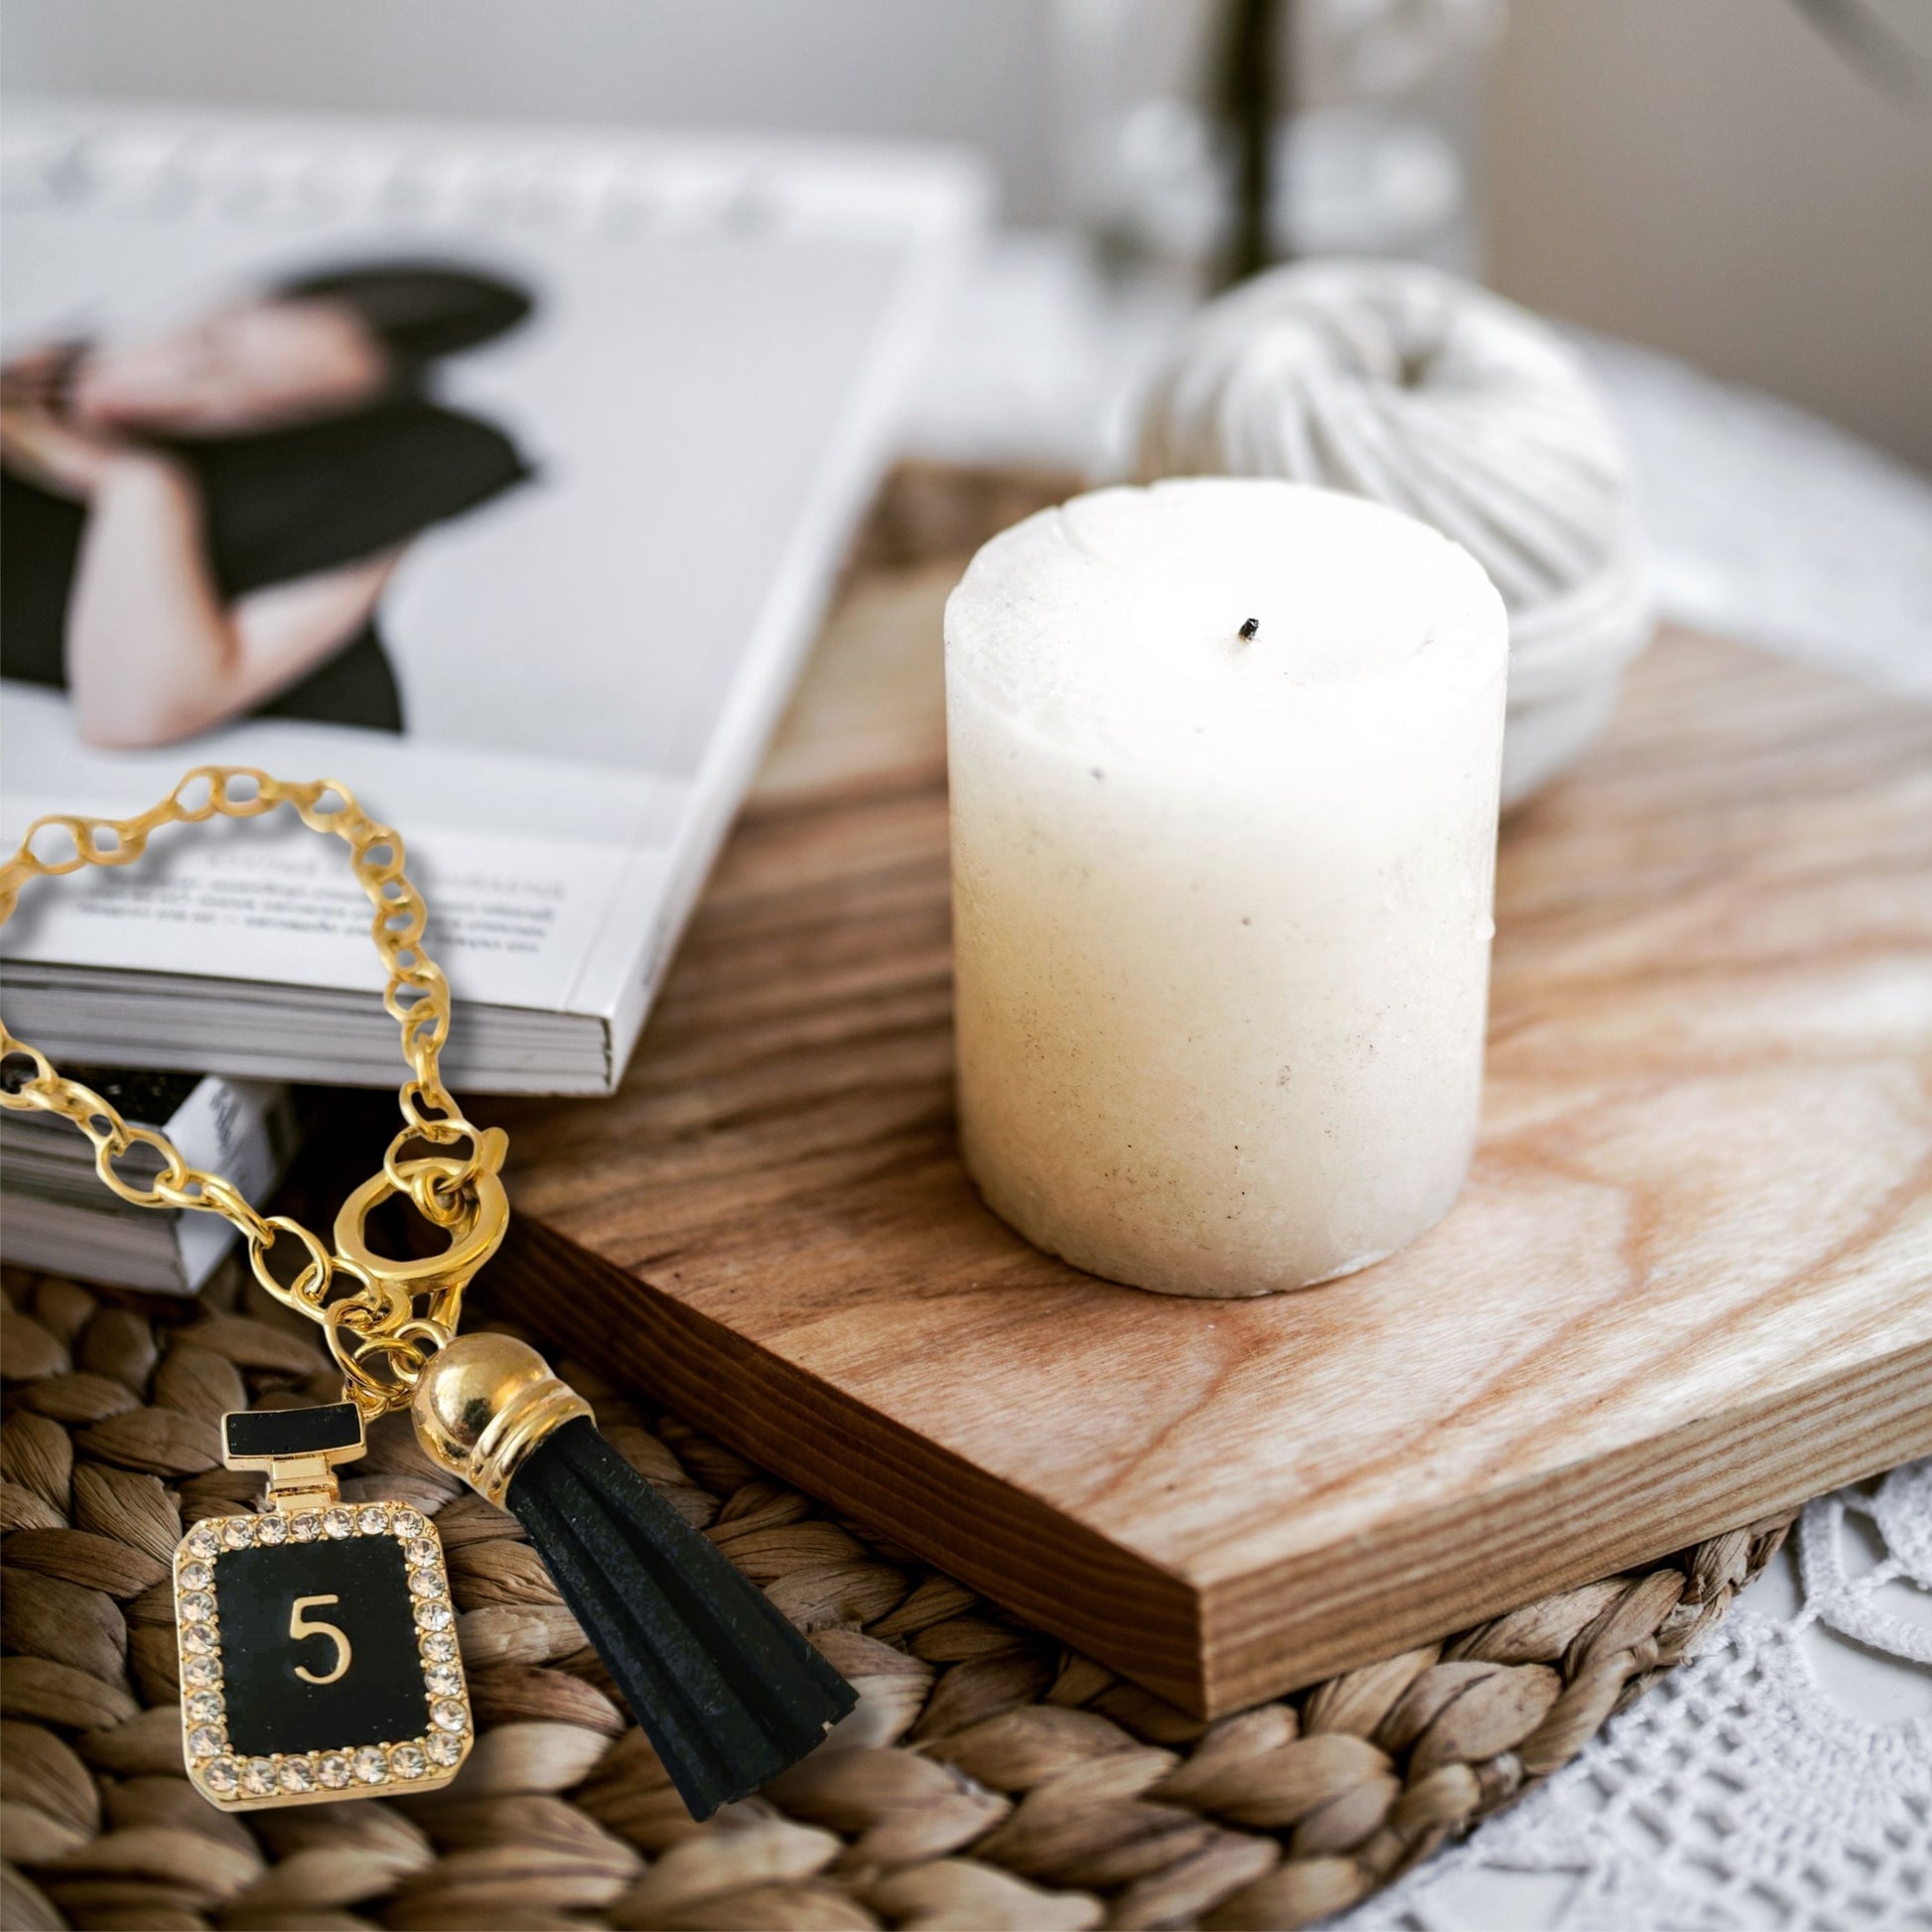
(503, 473)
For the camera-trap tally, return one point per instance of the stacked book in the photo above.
(615, 407)
(54, 1213)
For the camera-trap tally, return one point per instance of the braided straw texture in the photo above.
(988, 1778)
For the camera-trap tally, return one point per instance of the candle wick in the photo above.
(1249, 631)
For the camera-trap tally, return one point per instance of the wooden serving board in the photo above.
(1690, 1281)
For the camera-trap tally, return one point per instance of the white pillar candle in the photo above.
(1221, 901)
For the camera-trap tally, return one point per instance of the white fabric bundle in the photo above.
(1395, 381)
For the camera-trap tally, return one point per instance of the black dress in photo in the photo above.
(277, 505)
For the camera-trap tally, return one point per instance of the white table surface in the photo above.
(1783, 1778)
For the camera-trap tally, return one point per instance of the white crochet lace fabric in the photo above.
(1781, 1778)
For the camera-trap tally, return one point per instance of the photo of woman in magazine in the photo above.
(198, 527)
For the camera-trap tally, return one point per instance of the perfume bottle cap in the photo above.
(295, 1449)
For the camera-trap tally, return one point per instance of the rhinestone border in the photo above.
(321, 1776)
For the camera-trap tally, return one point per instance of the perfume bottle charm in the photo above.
(318, 1643)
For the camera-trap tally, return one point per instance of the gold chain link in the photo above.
(375, 1333)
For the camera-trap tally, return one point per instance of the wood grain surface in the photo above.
(1690, 1282)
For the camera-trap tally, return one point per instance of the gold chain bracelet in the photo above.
(729, 1693)
(378, 1333)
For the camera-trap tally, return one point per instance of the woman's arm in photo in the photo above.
(153, 654)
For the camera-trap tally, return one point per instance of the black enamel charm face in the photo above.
(318, 1656)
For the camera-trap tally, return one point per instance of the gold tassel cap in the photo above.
(484, 1405)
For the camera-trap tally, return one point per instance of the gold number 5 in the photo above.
(301, 1626)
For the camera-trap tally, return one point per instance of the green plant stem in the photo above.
(1253, 70)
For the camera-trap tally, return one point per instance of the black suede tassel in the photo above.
(726, 1689)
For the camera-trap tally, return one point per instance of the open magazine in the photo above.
(497, 474)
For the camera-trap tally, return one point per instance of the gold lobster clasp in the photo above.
(474, 1238)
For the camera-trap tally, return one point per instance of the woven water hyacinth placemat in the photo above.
(988, 1779)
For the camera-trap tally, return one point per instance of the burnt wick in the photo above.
(1250, 630)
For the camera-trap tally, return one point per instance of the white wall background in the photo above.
(1707, 176)
(1710, 176)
